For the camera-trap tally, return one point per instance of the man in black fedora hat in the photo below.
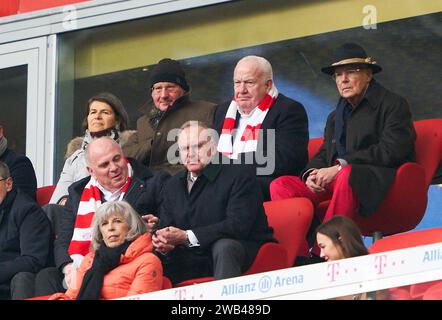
(171, 107)
(367, 137)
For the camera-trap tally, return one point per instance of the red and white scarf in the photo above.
(90, 201)
(250, 134)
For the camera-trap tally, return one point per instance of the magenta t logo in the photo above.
(180, 294)
(380, 263)
(333, 271)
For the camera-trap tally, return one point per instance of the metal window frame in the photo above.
(88, 14)
(33, 53)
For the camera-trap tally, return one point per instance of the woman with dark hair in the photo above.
(105, 116)
(121, 262)
(340, 238)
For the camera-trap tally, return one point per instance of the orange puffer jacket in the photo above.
(140, 271)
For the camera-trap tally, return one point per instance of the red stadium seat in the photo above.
(407, 240)
(434, 292)
(44, 194)
(290, 219)
(412, 182)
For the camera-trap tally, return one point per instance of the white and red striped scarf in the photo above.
(250, 134)
(90, 201)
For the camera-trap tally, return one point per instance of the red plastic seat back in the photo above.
(407, 240)
(290, 219)
(434, 292)
(428, 145)
(313, 146)
(44, 194)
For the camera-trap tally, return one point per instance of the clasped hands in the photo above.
(164, 240)
(319, 179)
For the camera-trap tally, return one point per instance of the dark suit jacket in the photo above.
(25, 236)
(225, 202)
(22, 171)
(144, 194)
(289, 119)
(380, 137)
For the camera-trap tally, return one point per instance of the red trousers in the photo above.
(342, 199)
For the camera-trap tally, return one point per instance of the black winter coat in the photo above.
(25, 236)
(380, 137)
(22, 171)
(224, 202)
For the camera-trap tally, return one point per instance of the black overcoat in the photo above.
(380, 137)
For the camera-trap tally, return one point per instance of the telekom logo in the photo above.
(333, 271)
(380, 263)
(180, 294)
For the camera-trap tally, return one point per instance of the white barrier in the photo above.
(320, 281)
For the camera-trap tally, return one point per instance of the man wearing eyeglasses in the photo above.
(212, 220)
(367, 137)
(25, 233)
(171, 107)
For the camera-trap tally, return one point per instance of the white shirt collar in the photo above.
(243, 115)
(110, 196)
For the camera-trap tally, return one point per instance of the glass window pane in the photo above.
(13, 98)
(209, 41)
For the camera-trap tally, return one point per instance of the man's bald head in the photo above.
(106, 162)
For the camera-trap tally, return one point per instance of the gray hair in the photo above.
(4, 171)
(137, 226)
(264, 66)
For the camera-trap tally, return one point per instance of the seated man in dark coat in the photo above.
(261, 126)
(25, 233)
(20, 167)
(367, 137)
(212, 220)
(112, 177)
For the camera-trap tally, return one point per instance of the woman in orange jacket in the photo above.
(121, 263)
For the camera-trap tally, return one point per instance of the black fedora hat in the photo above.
(351, 53)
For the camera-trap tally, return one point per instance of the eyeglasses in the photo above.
(351, 73)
